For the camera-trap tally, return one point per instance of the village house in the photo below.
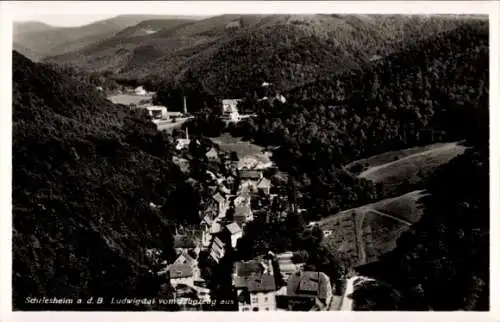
(236, 233)
(202, 290)
(264, 185)
(253, 175)
(157, 113)
(179, 274)
(183, 143)
(243, 214)
(212, 155)
(308, 291)
(242, 200)
(255, 162)
(185, 258)
(184, 243)
(208, 224)
(221, 203)
(255, 285)
(217, 249)
(230, 109)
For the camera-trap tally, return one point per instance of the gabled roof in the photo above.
(211, 152)
(233, 228)
(245, 269)
(218, 197)
(184, 258)
(184, 241)
(250, 174)
(308, 284)
(242, 211)
(180, 270)
(262, 283)
(264, 183)
(218, 242)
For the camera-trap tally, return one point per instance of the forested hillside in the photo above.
(434, 91)
(55, 40)
(224, 55)
(442, 263)
(84, 174)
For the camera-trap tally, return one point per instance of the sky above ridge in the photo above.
(77, 13)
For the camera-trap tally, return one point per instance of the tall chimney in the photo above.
(185, 106)
(187, 135)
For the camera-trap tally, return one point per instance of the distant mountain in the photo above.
(84, 173)
(227, 53)
(50, 40)
(30, 26)
(32, 55)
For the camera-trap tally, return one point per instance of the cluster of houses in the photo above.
(257, 285)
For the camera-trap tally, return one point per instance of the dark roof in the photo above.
(308, 284)
(184, 242)
(180, 270)
(248, 268)
(262, 283)
(250, 174)
(256, 283)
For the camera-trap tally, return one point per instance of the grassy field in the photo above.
(387, 157)
(390, 172)
(127, 99)
(367, 232)
(243, 149)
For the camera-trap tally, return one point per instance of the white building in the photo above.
(230, 109)
(255, 286)
(157, 112)
(236, 233)
(183, 143)
(140, 91)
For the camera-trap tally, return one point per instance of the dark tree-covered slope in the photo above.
(431, 92)
(227, 54)
(442, 263)
(84, 174)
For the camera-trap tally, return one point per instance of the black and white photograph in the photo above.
(251, 161)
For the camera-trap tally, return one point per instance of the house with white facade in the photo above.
(230, 109)
(235, 232)
(179, 274)
(255, 285)
(157, 113)
(308, 290)
(183, 143)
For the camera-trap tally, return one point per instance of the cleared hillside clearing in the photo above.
(228, 143)
(387, 157)
(409, 166)
(127, 99)
(367, 232)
